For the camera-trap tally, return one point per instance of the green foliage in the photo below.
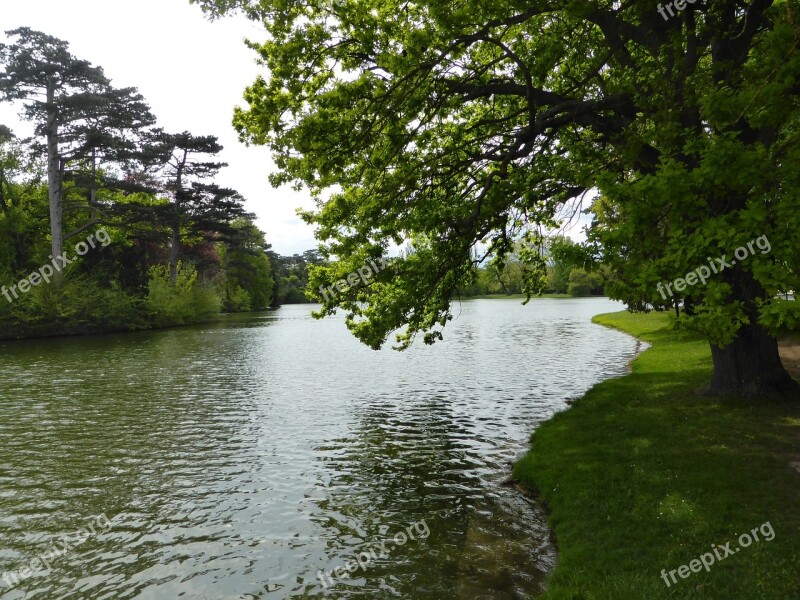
(529, 272)
(237, 300)
(152, 190)
(478, 284)
(456, 128)
(504, 276)
(718, 323)
(582, 283)
(84, 120)
(558, 278)
(182, 301)
(250, 283)
(292, 275)
(198, 207)
(83, 305)
(781, 316)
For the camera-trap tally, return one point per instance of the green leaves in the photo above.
(456, 128)
(184, 300)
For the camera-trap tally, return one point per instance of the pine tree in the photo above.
(77, 111)
(197, 204)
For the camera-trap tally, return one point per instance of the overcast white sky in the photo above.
(192, 73)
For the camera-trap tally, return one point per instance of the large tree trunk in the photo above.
(54, 188)
(751, 367)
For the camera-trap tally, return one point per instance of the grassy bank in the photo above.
(644, 474)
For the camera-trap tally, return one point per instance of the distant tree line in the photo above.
(291, 274)
(569, 270)
(183, 247)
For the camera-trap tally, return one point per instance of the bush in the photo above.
(237, 300)
(185, 300)
(582, 283)
(83, 305)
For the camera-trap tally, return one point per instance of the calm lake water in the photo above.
(237, 460)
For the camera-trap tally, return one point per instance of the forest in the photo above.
(181, 249)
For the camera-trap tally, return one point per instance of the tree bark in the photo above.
(751, 367)
(54, 188)
(175, 246)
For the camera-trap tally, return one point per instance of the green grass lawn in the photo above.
(643, 474)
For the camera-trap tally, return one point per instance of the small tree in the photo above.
(196, 205)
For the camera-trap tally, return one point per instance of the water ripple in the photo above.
(236, 460)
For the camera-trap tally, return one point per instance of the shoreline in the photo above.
(32, 331)
(642, 474)
(90, 331)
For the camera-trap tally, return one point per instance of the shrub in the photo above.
(83, 305)
(582, 283)
(237, 300)
(185, 300)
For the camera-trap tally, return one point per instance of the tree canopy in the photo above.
(184, 247)
(75, 109)
(450, 125)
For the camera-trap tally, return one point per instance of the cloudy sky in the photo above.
(191, 71)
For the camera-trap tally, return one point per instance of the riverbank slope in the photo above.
(644, 474)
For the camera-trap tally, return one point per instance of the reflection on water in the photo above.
(239, 459)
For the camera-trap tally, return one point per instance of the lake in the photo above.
(273, 456)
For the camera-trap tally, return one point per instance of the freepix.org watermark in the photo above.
(365, 273)
(679, 5)
(701, 274)
(45, 272)
(720, 553)
(364, 559)
(43, 561)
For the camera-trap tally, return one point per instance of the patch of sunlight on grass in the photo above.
(640, 443)
(676, 508)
